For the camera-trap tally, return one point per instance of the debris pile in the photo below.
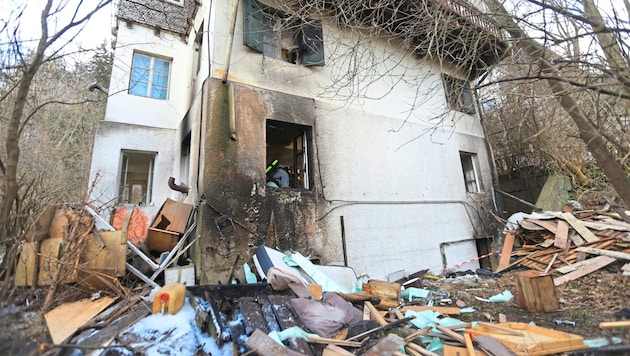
(566, 244)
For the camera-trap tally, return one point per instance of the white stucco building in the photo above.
(386, 152)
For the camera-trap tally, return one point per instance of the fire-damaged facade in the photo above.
(286, 127)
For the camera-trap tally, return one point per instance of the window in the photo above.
(459, 95)
(280, 36)
(470, 173)
(288, 155)
(136, 177)
(149, 76)
(198, 46)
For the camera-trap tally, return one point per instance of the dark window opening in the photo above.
(278, 35)
(459, 95)
(288, 162)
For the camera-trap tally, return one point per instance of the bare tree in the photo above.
(583, 60)
(27, 68)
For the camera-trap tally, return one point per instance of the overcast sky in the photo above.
(95, 32)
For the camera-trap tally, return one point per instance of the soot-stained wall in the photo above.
(233, 182)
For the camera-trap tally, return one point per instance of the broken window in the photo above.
(288, 163)
(459, 95)
(278, 35)
(149, 76)
(136, 177)
(470, 171)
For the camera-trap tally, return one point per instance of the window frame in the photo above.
(301, 158)
(278, 35)
(472, 183)
(459, 94)
(126, 181)
(150, 74)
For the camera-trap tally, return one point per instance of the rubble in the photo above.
(292, 306)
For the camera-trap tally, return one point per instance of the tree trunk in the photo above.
(12, 142)
(594, 140)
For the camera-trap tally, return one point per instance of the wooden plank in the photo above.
(596, 251)
(64, 320)
(326, 340)
(441, 310)
(266, 346)
(415, 348)
(492, 345)
(547, 224)
(455, 336)
(469, 344)
(577, 265)
(626, 267)
(374, 314)
(615, 324)
(334, 350)
(562, 235)
(593, 266)
(278, 305)
(252, 316)
(105, 335)
(506, 251)
(580, 228)
(459, 351)
(111, 255)
(620, 226)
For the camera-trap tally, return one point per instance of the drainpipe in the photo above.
(232, 111)
(230, 39)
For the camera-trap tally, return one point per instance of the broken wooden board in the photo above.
(506, 251)
(441, 310)
(594, 265)
(578, 226)
(374, 314)
(106, 335)
(492, 345)
(562, 235)
(460, 351)
(609, 253)
(548, 225)
(577, 265)
(535, 340)
(64, 320)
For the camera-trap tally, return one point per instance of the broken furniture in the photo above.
(168, 234)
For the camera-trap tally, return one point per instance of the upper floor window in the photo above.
(149, 76)
(278, 35)
(458, 94)
(288, 163)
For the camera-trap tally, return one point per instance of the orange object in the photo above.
(169, 299)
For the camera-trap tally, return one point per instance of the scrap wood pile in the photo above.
(568, 245)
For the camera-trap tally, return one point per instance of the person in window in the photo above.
(278, 177)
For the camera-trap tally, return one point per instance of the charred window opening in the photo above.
(470, 172)
(459, 95)
(278, 35)
(136, 177)
(288, 162)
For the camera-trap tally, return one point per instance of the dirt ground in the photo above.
(586, 301)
